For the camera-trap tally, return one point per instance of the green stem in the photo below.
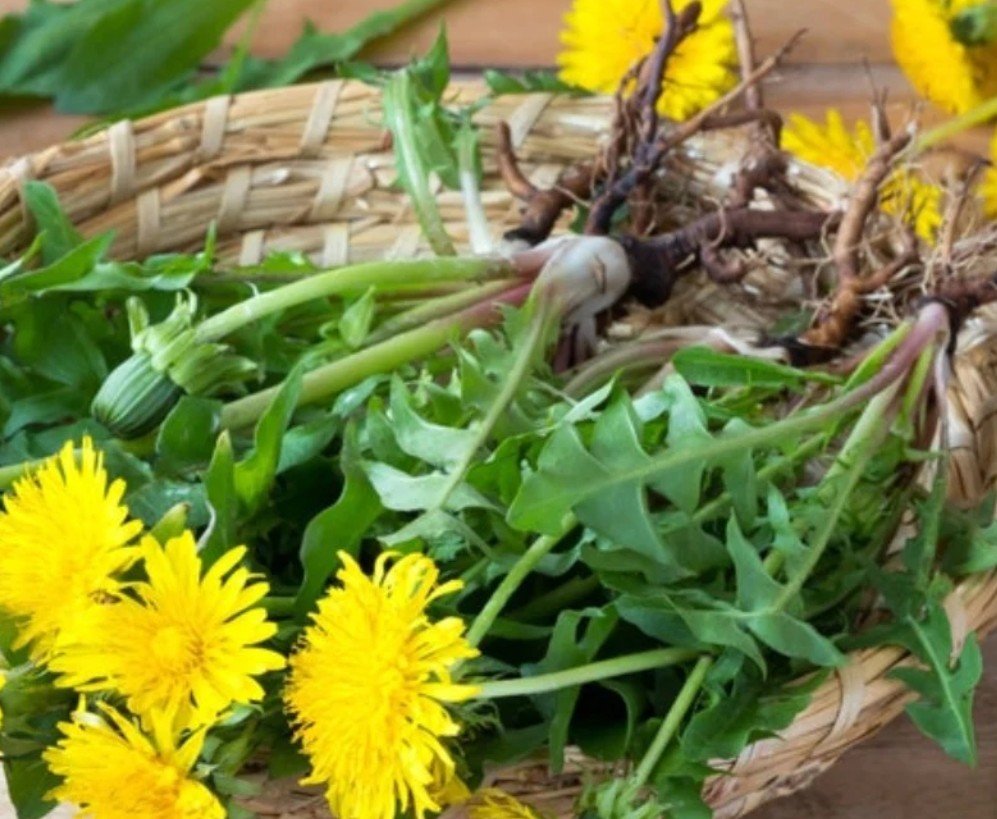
(511, 582)
(913, 395)
(608, 365)
(475, 570)
(841, 479)
(427, 310)
(557, 598)
(980, 115)
(673, 719)
(279, 606)
(331, 378)
(601, 670)
(478, 229)
(353, 279)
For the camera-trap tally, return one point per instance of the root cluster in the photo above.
(625, 192)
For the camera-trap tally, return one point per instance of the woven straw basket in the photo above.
(308, 169)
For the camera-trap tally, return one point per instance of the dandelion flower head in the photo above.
(110, 769)
(832, 145)
(181, 640)
(65, 535)
(368, 689)
(604, 39)
(493, 803)
(954, 76)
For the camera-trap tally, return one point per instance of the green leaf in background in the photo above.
(306, 441)
(749, 713)
(920, 551)
(139, 50)
(315, 50)
(616, 463)
(794, 638)
(424, 141)
(219, 486)
(402, 492)
(622, 512)
(976, 25)
(35, 45)
(432, 443)
(946, 687)
(98, 56)
(356, 321)
(172, 524)
(29, 782)
(340, 527)
(48, 407)
(785, 539)
(151, 501)
(185, 438)
(254, 474)
(568, 648)
(660, 615)
(57, 233)
(945, 683)
(709, 368)
(72, 264)
(32, 707)
(57, 343)
(756, 590)
(63, 271)
(605, 739)
(529, 82)
(126, 57)
(974, 549)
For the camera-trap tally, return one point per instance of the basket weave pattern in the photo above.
(308, 169)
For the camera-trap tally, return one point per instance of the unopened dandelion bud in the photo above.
(134, 397)
(169, 361)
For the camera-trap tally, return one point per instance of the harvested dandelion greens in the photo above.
(390, 526)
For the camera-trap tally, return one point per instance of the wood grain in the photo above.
(525, 32)
(480, 31)
(898, 774)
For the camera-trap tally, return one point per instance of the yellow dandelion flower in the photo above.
(833, 146)
(954, 76)
(492, 803)
(829, 144)
(448, 788)
(368, 686)
(64, 535)
(111, 770)
(603, 39)
(177, 641)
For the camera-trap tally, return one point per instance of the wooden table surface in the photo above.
(898, 774)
